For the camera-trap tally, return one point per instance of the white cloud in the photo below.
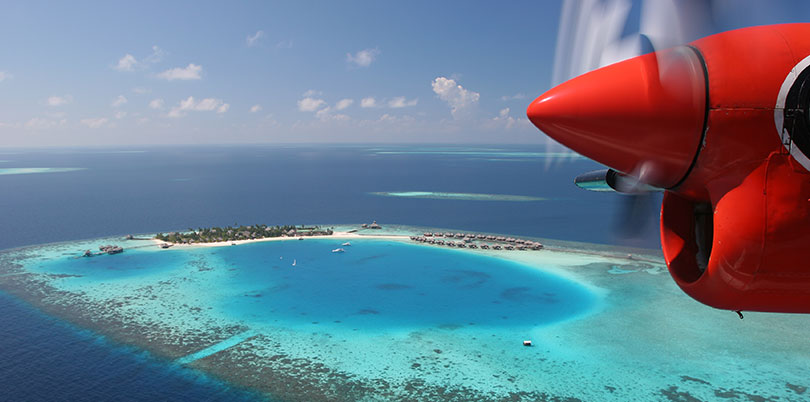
(253, 40)
(363, 58)
(59, 100)
(130, 63)
(38, 123)
(284, 44)
(190, 72)
(141, 91)
(95, 122)
(503, 116)
(156, 104)
(126, 63)
(343, 104)
(311, 93)
(120, 100)
(120, 114)
(368, 102)
(517, 96)
(255, 108)
(156, 56)
(4, 76)
(203, 105)
(400, 102)
(325, 114)
(310, 104)
(462, 101)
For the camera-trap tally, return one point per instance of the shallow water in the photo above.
(374, 285)
(388, 320)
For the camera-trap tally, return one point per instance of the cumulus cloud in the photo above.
(120, 100)
(38, 123)
(310, 104)
(363, 58)
(462, 101)
(156, 56)
(59, 100)
(284, 44)
(253, 40)
(95, 122)
(368, 102)
(400, 102)
(120, 114)
(126, 63)
(255, 108)
(517, 96)
(203, 105)
(190, 72)
(343, 104)
(503, 116)
(156, 104)
(326, 114)
(129, 63)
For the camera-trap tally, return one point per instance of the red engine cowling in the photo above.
(736, 232)
(724, 126)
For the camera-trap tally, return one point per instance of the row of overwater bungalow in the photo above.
(467, 240)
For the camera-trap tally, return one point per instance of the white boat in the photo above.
(346, 244)
(293, 264)
(338, 250)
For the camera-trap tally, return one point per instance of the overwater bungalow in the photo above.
(374, 225)
(485, 246)
(509, 247)
(473, 246)
(497, 247)
(428, 234)
(461, 245)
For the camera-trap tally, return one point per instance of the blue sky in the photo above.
(171, 72)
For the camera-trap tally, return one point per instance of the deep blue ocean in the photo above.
(148, 190)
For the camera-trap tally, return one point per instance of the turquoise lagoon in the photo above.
(396, 320)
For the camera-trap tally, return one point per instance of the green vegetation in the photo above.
(236, 232)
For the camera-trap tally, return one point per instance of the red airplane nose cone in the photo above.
(643, 116)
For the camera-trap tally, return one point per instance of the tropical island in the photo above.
(234, 233)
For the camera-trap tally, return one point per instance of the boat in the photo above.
(346, 244)
(293, 264)
(338, 250)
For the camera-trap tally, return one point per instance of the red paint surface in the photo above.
(758, 194)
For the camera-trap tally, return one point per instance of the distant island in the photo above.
(233, 233)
